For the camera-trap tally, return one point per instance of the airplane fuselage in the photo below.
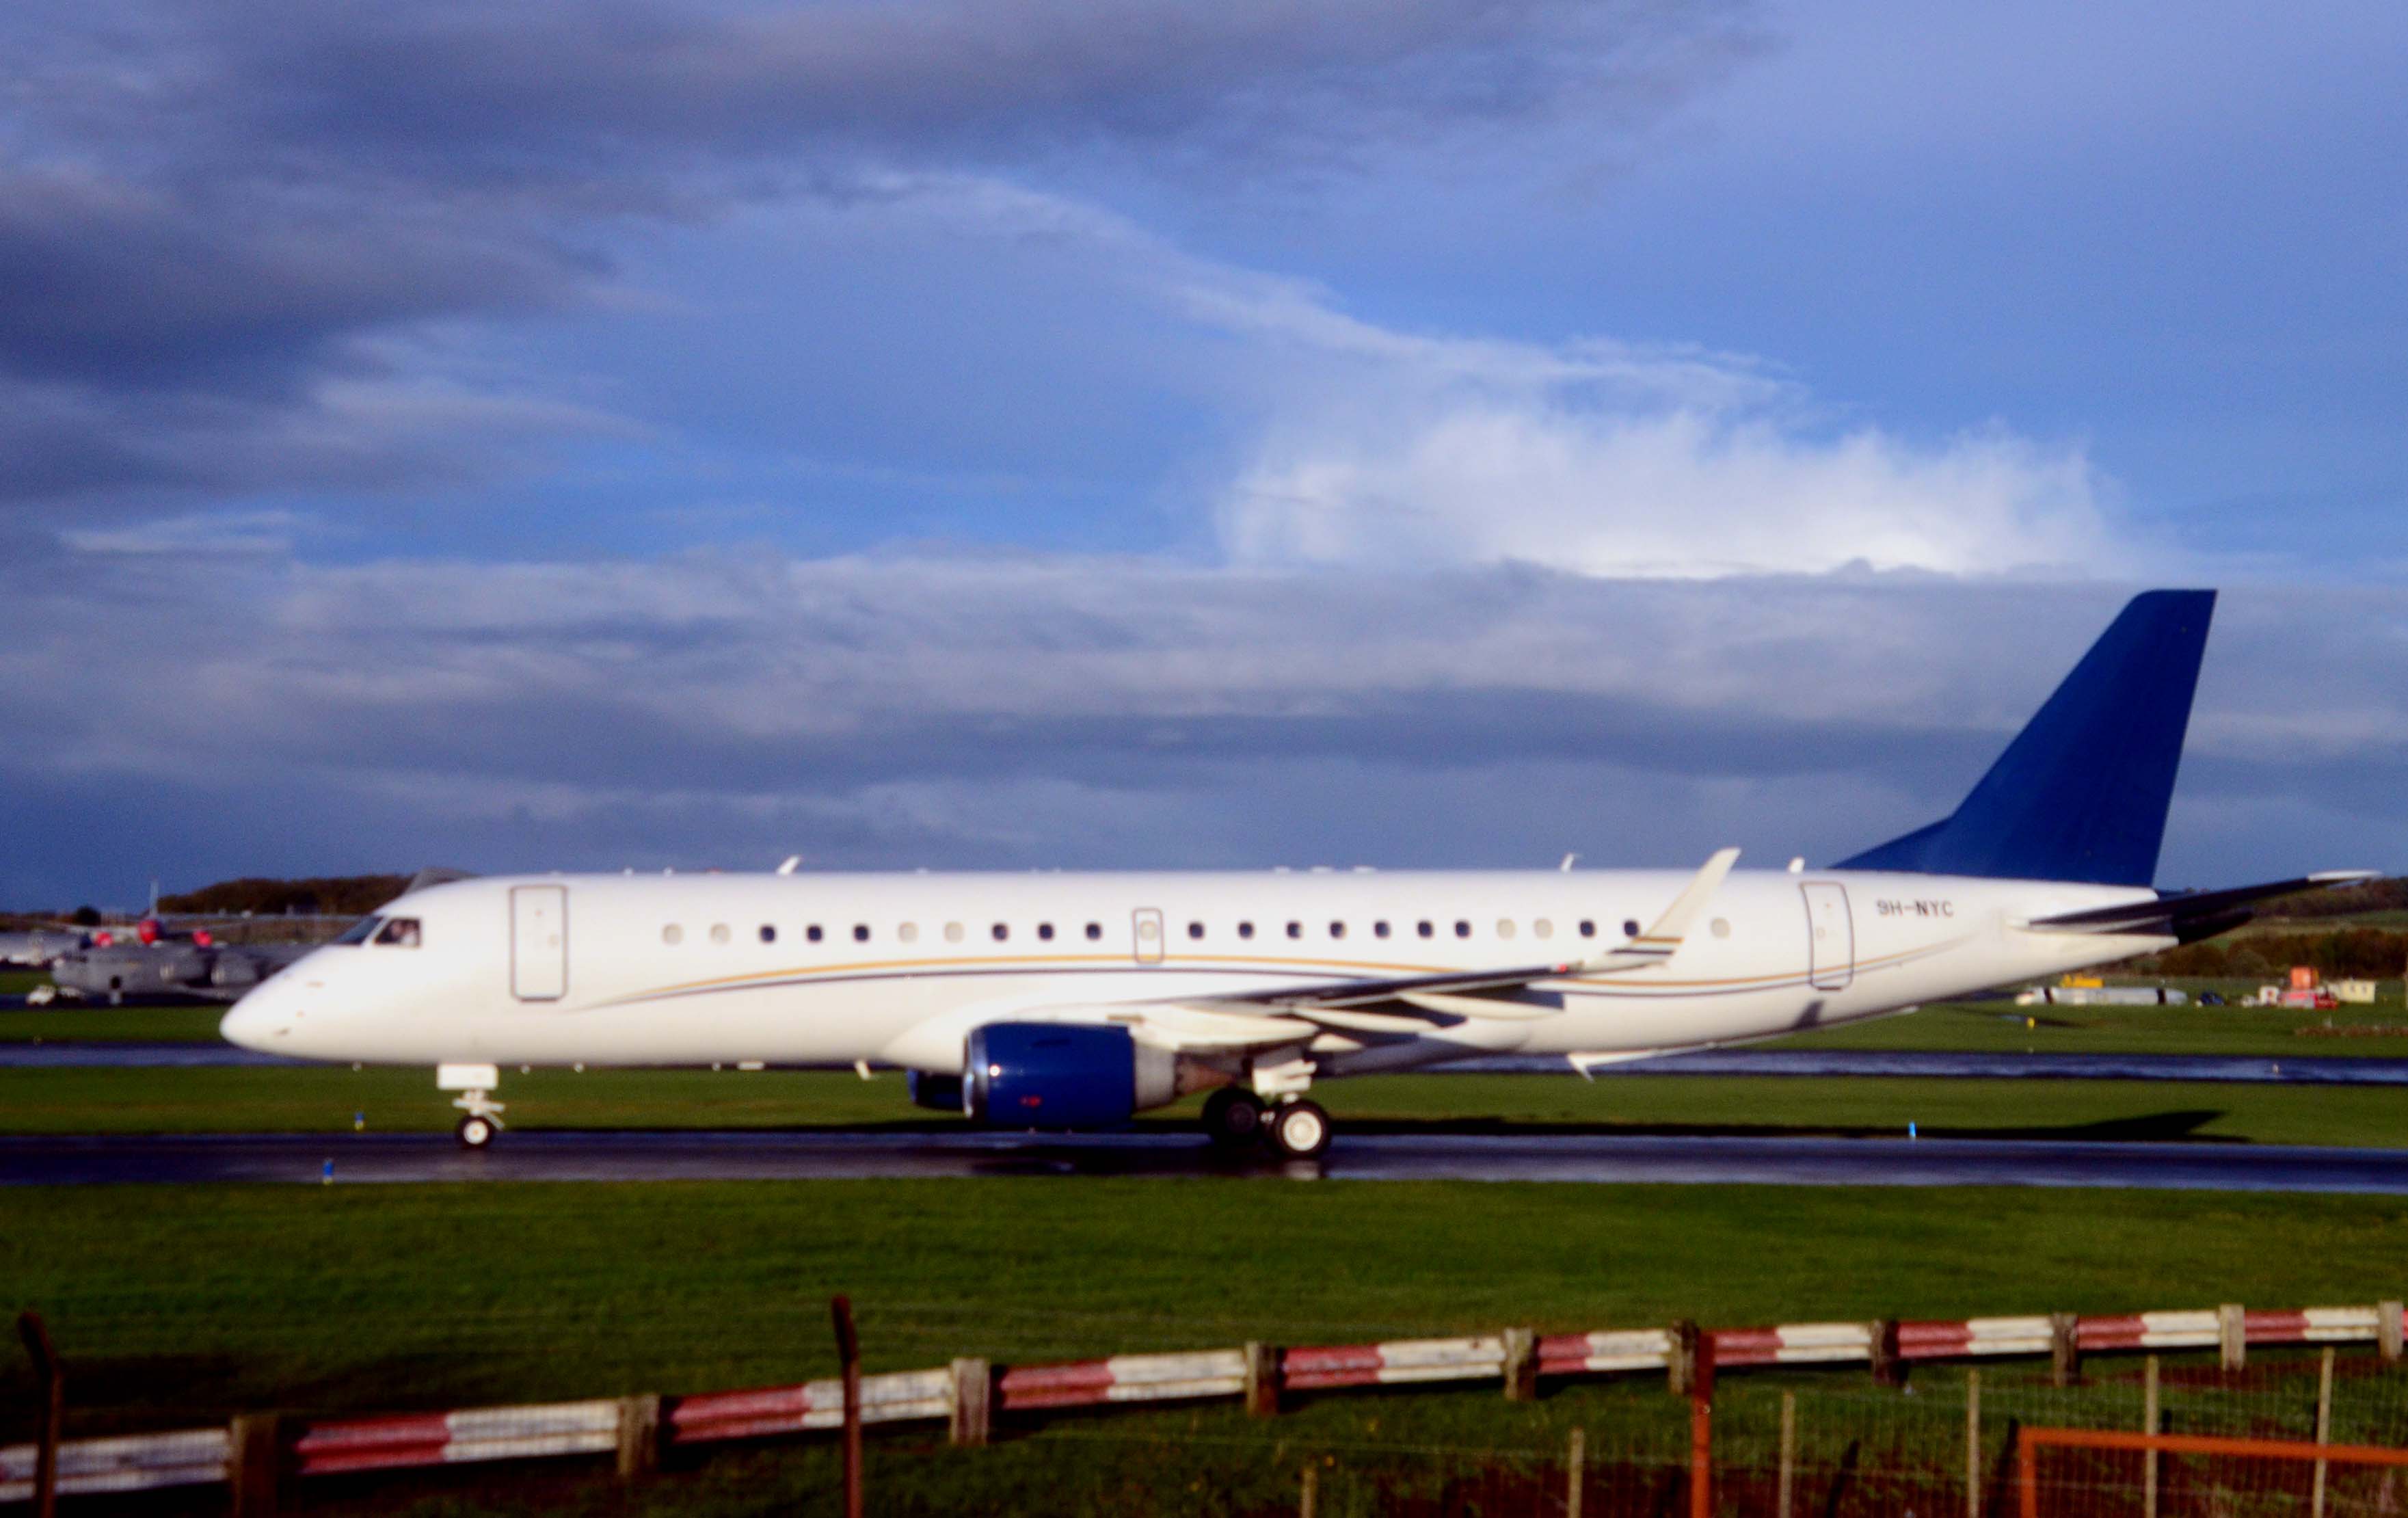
(897, 968)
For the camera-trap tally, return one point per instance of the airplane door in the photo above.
(1830, 937)
(1149, 935)
(538, 942)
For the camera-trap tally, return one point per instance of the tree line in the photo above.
(331, 895)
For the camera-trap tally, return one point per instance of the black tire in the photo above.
(1233, 1118)
(476, 1132)
(1301, 1130)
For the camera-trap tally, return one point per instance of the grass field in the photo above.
(327, 1100)
(2001, 1027)
(187, 1303)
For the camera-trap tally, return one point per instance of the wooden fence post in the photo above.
(1575, 1472)
(2232, 1336)
(2386, 1330)
(1784, 1494)
(1701, 1431)
(1973, 1444)
(639, 1435)
(2149, 1423)
(1521, 1365)
(973, 1413)
(1309, 1498)
(1882, 1339)
(2064, 1348)
(1262, 1380)
(848, 1352)
(52, 1377)
(255, 1465)
(1681, 1357)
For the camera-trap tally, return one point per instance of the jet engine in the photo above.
(1069, 1075)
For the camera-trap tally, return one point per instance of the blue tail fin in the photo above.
(2081, 794)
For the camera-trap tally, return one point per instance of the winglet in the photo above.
(1659, 941)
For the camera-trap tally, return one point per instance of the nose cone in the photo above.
(255, 1022)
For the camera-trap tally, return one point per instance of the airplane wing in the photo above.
(1413, 1004)
(2191, 915)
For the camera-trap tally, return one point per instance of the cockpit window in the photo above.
(401, 932)
(361, 931)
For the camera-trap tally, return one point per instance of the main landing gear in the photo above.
(1236, 1120)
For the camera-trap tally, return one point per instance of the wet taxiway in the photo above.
(2316, 1070)
(1593, 1159)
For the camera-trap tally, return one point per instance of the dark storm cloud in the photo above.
(1054, 712)
(490, 87)
(228, 202)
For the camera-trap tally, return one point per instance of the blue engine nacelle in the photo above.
(1062, 1076)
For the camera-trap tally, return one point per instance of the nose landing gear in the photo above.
(475, 1083)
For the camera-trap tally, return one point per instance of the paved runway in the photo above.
(350, 1159)
(2311, 1070)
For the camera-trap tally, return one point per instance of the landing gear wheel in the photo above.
(1301, 1130)
(1234, 1118)
(476, 1131)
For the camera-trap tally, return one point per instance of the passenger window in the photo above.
(908, 932)
(1245, 930)
(1722, 927)
(719, 932)
(1588, 928)
(1194, 930)
(1095, 931)
(813, 933)
(1045, 931)
(1001, 932)
(364, 929)
(953, 932)
(768, 933)
(1425, 927)
(1542, 928)
(1462, 928)
(1630, 927)
(1296, 930)
(1504, 927)
(861, 932)
(401, 932)
(1380, 929)
(1338, 930)
(673, 934)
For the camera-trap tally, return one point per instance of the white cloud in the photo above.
(1376, 446)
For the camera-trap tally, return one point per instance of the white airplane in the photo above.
(1068, 1002)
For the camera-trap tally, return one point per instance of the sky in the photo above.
(1040, 432)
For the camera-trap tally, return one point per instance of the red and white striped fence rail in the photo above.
(135, 1463)
(898, 1397)
(1478, 1358)
(1627, 1348)
(1977, 1338)
(1123, 1378)
(341, 1445)
(348, 1445)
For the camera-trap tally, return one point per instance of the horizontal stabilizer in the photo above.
(2191, 915)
